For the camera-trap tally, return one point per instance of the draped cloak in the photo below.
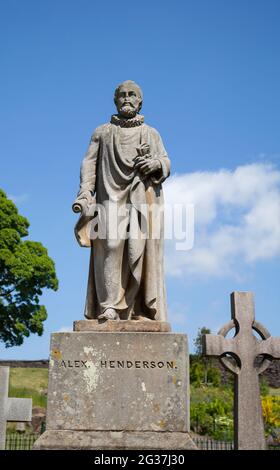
(126, 270)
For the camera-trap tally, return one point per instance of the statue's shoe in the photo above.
(109, 314)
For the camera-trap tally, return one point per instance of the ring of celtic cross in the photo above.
(235, 367)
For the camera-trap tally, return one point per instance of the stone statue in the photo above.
(121, 200)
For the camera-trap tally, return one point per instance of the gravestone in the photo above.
(11, 409)
(239, 355)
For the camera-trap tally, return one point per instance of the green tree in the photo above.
(211, 411)
(25, 269)
(207, 367)
(198, 340)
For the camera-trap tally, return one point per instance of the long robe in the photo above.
(126, 269)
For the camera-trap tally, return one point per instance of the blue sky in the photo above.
(210, 72)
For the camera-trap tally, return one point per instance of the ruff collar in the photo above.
(132, 122)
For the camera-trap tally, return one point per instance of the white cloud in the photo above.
(19, 199)
(237, 219)
(65, 329)
(179, 314)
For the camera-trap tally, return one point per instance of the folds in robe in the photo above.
(126, 270)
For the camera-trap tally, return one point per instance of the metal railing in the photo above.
(210, 444)
(16, 441)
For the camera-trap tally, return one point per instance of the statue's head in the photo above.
(128, 99)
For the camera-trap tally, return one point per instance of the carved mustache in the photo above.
(127, 103)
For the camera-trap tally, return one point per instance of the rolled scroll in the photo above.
(80, 205)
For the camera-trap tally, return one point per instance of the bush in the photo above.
(204, 371)
(212, 412)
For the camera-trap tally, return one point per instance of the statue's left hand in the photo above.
(147, 166)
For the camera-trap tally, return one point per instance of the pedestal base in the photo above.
(117, 390)
(114, 440)
(123, 326)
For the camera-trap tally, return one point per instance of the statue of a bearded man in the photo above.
(121, 205)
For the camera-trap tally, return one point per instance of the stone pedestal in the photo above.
(117, 390)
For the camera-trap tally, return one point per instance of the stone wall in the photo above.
(272, 375)
(41, 363)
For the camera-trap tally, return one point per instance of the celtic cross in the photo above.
(238, 355)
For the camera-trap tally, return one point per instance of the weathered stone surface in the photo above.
(121, 204)
(123, 325)
(11, 409)
(239, 356)
(38, 418)
(117, 440)
(118, 382)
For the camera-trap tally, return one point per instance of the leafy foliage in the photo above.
(198, 340)
(212, 412)
(212, 399)
(25, 270)
(271, 411)
(203, 369)
(211, 404)
(264, 387)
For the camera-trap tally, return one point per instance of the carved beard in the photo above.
(127, 111)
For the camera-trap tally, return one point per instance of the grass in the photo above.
(29, 383)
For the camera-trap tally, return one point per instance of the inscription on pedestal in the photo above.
(118, 382)
(119, 364)
(69, 363)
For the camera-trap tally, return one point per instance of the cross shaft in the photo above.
(11, 409)
(238, 355)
